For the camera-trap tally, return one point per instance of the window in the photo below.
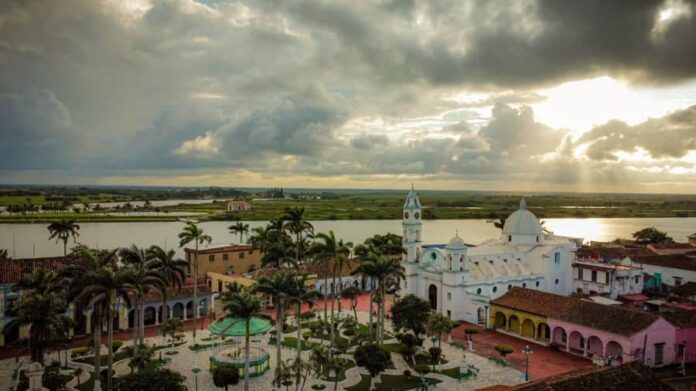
(556, 258)
(225, 256)
(449, 314)
(211, 257)
(580, 271)
(509, 238)
(659, 353)
(524, 285)
(557, 281)
(606, 278)
(537, 284)
(594, 275)
(677, 281)
(537, 238)
(509, 286)
(241, 255)
(478, 291)
(495, 289)
(636, 278)
(433, 256)
(449, 296)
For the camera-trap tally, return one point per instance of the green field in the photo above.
(371, 205)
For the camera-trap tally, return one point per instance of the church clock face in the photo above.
(417, 215)
(405, 215)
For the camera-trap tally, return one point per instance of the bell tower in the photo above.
(412, 227)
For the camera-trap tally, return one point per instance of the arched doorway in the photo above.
(514, 324)
(528, 328)
(481, 315)
(189, 309)
(543, 332)
(594, 346)
(178, 311)
(576, 342)
(560, 337)
(150, 316)
(500, 321)
(131, 319)
(614, 351)
(432, 296)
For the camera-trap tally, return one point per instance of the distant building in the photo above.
(594, 331)
(673, 270)
(670, 248)
(612, 278)
(238, 206)
(459, 280)
(224, 258)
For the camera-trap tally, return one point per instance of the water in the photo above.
(26, 240)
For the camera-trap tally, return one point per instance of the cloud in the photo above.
(672, 136)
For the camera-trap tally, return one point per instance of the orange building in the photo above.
(224, 258)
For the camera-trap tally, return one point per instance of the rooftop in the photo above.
(674, 261)
(219, 247)
(12, 270)
(612, 319)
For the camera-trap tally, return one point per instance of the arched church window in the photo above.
(509, 286)
(495, 289)
(509, 238)
(537, 284)
(478, 291)
(405, 215)
(417, 215)
(433, 256)
(524, 285)
(557, 281)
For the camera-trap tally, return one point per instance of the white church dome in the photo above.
(522, 222)
(456, 243)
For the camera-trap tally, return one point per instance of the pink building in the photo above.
(685, 323)
(608, 333)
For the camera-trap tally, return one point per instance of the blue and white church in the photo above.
(460, 280)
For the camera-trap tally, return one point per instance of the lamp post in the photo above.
(527, 351)
(195, 371)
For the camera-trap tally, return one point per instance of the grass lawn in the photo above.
(291, 342)
(390, 383)
(452, 372)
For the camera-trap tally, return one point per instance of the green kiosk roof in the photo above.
(235, 327)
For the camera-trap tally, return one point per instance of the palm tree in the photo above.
(332, 253)
(301, 294)
(98, 284)
(243, 305)
(240, 229)
(172, 271)
(296, 224)
(42, 307)
(260, 238)
(192, 233)
(278, 288)
(386, 271)
(142, 272)
(352, 293)
(63, 230)
(4, 256)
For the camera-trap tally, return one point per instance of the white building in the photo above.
(461, 280)
(612, 279)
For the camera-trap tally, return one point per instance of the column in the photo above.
(88, 322)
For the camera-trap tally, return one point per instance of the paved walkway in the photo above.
(543, 362)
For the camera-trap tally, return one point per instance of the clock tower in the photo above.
(412, 227)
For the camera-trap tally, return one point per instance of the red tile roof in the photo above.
(13, 270)
(612, 319)
(220, 249)
(632, 376)
(674, 261)
(670, 246)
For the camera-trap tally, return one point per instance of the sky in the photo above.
(528, 95)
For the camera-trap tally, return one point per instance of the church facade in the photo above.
(460, 280)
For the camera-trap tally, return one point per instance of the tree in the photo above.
(410, 342)
(153, 380)
(141, 358)
(333, 254)
(651, 235)
(500, 222)
(243, 305)
(504, 350)
(171, 270)
(44, 313)
(373, 358)
(439, 323)
(240, 229)
(172, 326)
(97, 284)
(352, 293)
(435, 353)
(278, 287)
(301, 294)
(62, 231)
(224, 376)
(296, 223)
(192, 233)
(142, 273)
(411, 313)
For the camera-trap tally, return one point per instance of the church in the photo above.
(460, 280)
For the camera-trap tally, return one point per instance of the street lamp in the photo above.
(527, 351)
(195, 371)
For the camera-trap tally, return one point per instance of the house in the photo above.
(685, 323)
(603, 333)
(179, 301)
(460, 280)
(633, 376)
(238, 206)
(670, 248)
(674, 269)
(613, 279)
(224, 258)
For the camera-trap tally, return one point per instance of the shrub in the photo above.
(318, 387)
(306, 336)
(80, 351)
(223, 376)
(158, 379)
(504, 350)
(407, 374)
(373, 358)
(116, 345)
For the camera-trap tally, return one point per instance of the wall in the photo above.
(687, 335)
(669, 273)
(235, 262)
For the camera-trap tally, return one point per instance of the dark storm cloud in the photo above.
(671, 136)
(270, 86)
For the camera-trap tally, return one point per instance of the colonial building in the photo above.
(611, 279)
(460, 280)
(224, 258)
(238, 206)
(608, 334)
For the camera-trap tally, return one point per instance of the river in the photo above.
(26, 240)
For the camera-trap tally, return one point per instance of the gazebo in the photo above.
(235, 328)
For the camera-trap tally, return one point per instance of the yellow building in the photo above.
(525, 324)
(225, 259)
